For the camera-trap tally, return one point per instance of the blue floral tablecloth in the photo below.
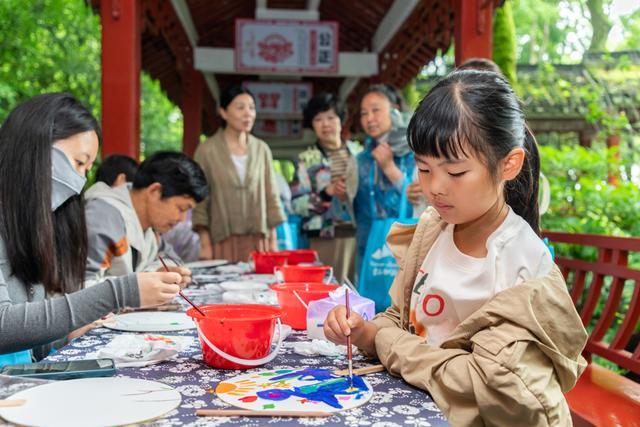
(394, 403)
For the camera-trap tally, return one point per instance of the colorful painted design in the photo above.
(299, 389)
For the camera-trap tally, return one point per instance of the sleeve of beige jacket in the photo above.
(202, 212)
(275, 213)
(470, 385)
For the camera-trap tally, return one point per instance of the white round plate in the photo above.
(299, 389)
(250, 297)
(261, 278)
(151, 321)
(207, 263)
(93, 402)
(243, 285)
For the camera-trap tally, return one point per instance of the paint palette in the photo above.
(300, 389)
(150, 321)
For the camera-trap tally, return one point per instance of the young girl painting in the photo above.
(480, 317)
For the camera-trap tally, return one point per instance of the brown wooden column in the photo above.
(192, 87)
(121, 26)
(613, 141)
(473, 29)
(585, 138)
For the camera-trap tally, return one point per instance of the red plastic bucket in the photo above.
(265, 261)
(304, 273)
(295, 297)
(298, 256)
(237, 336)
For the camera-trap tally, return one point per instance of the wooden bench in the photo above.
(602, 397)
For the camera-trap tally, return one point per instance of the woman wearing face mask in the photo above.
(43, 238)
(384, 167)
(243, 208)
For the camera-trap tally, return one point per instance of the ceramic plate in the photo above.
(151, 321)
(208, 263)
(244, 285)
(93, 401)
(300, 389)
(260, 278)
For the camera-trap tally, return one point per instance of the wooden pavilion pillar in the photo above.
(613, 140)
(473, 29)
(192, 86)
(121, 63)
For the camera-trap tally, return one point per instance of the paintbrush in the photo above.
(372, 369)
(347, 282)
(349, 355)
(10, 403)
(180, 292)
(249, 413)
(164, 307)
(181, 264)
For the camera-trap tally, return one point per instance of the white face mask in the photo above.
(65, 181)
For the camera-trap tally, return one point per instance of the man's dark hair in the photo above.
(176, 172)
(319, 104)
(113, 166)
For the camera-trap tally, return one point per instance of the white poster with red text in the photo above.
(280, 100)
(286, 46)
(266, 128)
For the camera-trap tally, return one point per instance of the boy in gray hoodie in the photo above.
(124, 222)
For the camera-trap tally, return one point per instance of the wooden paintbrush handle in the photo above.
(101, 322)
(362, 371)
(249, 413)
(11, 403)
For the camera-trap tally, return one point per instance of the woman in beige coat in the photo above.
(243, 208)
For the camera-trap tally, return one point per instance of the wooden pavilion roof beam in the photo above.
(173, 30)
(184, 14)
(308, 14)
(391, 23)
(429, 27)
(222, 60)
(171, 21)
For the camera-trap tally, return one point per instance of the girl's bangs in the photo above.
(435, 131)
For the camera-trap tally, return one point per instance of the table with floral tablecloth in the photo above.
(394, 402)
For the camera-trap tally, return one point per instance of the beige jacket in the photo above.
(508, 364)
(232, 207)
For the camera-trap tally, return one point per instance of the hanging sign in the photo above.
(280, 100)
(278, 128)
(286, 46)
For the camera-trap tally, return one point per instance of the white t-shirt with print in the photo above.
(451, 285)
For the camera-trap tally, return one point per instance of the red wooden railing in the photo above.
(611, 267)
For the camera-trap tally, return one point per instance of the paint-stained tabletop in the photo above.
(394, 402)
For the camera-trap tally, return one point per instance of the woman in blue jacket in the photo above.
(385, 166)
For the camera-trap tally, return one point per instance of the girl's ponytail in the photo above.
(521, 193)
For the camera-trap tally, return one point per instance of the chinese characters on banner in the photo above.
(278, 128)
(286, 46)
(280, 100)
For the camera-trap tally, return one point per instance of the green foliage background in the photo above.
(54, 46)
(504, 41)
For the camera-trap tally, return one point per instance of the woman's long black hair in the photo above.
(479, 110)
(42, 246)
